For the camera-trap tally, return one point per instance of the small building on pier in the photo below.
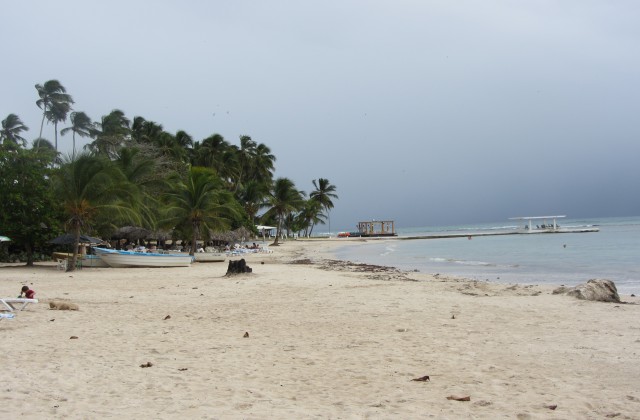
(377, 228)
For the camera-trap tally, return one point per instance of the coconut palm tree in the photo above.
(43, 144)
(12, 128)
(311, 215)
(200, 204)
(324, 193)
(81, 125)
(263, 164)
(57, 113)
(246, 154)
(208, 151)
(252, 198)
(89, 187)
(52, 93)
(111, 134)
(141, 173)
(143, 131)
(45, 147)
(283, 199)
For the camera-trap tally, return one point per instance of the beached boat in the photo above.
(116, 258)
(209, 257)
(93, 261)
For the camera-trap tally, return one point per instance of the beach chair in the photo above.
(9, 304)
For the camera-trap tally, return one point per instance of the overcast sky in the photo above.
(426, 112)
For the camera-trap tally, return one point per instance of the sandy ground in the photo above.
(306, 336)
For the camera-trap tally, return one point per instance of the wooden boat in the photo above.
(143, 259)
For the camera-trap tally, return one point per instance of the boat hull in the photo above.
(208, 257)
(116, 259)
(93, 261)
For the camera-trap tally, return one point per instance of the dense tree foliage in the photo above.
(133, 172)
(28, 209)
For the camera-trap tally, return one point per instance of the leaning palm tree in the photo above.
(81, 125)
(200, 203)
(311, 215)
(90, 187)
(283, 199)
(12, 128)
(51, 93)
(324, 193)
(57, 113)
(111, 134)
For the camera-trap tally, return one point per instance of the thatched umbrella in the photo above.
(160, 235)
(221, 236)
(132, 233)
(242, 234)
(238, 235)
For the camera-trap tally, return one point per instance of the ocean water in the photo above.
(564, 258)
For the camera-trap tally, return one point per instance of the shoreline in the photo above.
(325, 338)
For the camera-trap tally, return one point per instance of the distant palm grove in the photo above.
(130, 172)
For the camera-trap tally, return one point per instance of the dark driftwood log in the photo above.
(238, 266)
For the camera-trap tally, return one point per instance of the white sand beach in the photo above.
(325, 339)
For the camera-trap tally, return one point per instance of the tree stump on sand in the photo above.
(600, 290)
(238, 267)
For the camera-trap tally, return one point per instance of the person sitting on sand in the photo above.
(27, 293)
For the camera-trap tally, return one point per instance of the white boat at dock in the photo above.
(115, 258)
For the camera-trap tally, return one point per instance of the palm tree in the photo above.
(44, 147)
(199, 203)
(263, 164)
(143, 131)
(81, 125)
(246, 154)
(43, 144)
(111, 134)
(311, 215)
(140, 172)
(252, 198)
(89, 187)
(323, 194)
(52, 93)
(57, 113)
(284, 199)
(12, 127)
(168, 147)
(184, 139)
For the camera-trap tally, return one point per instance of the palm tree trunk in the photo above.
(278, 230)
(41, 127)
(76, 245)
(55, 127)
(29, 250)
(194, 239)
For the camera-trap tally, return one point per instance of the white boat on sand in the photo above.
(116, 258)
(209, 257)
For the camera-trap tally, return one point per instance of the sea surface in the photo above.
(559, 259)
